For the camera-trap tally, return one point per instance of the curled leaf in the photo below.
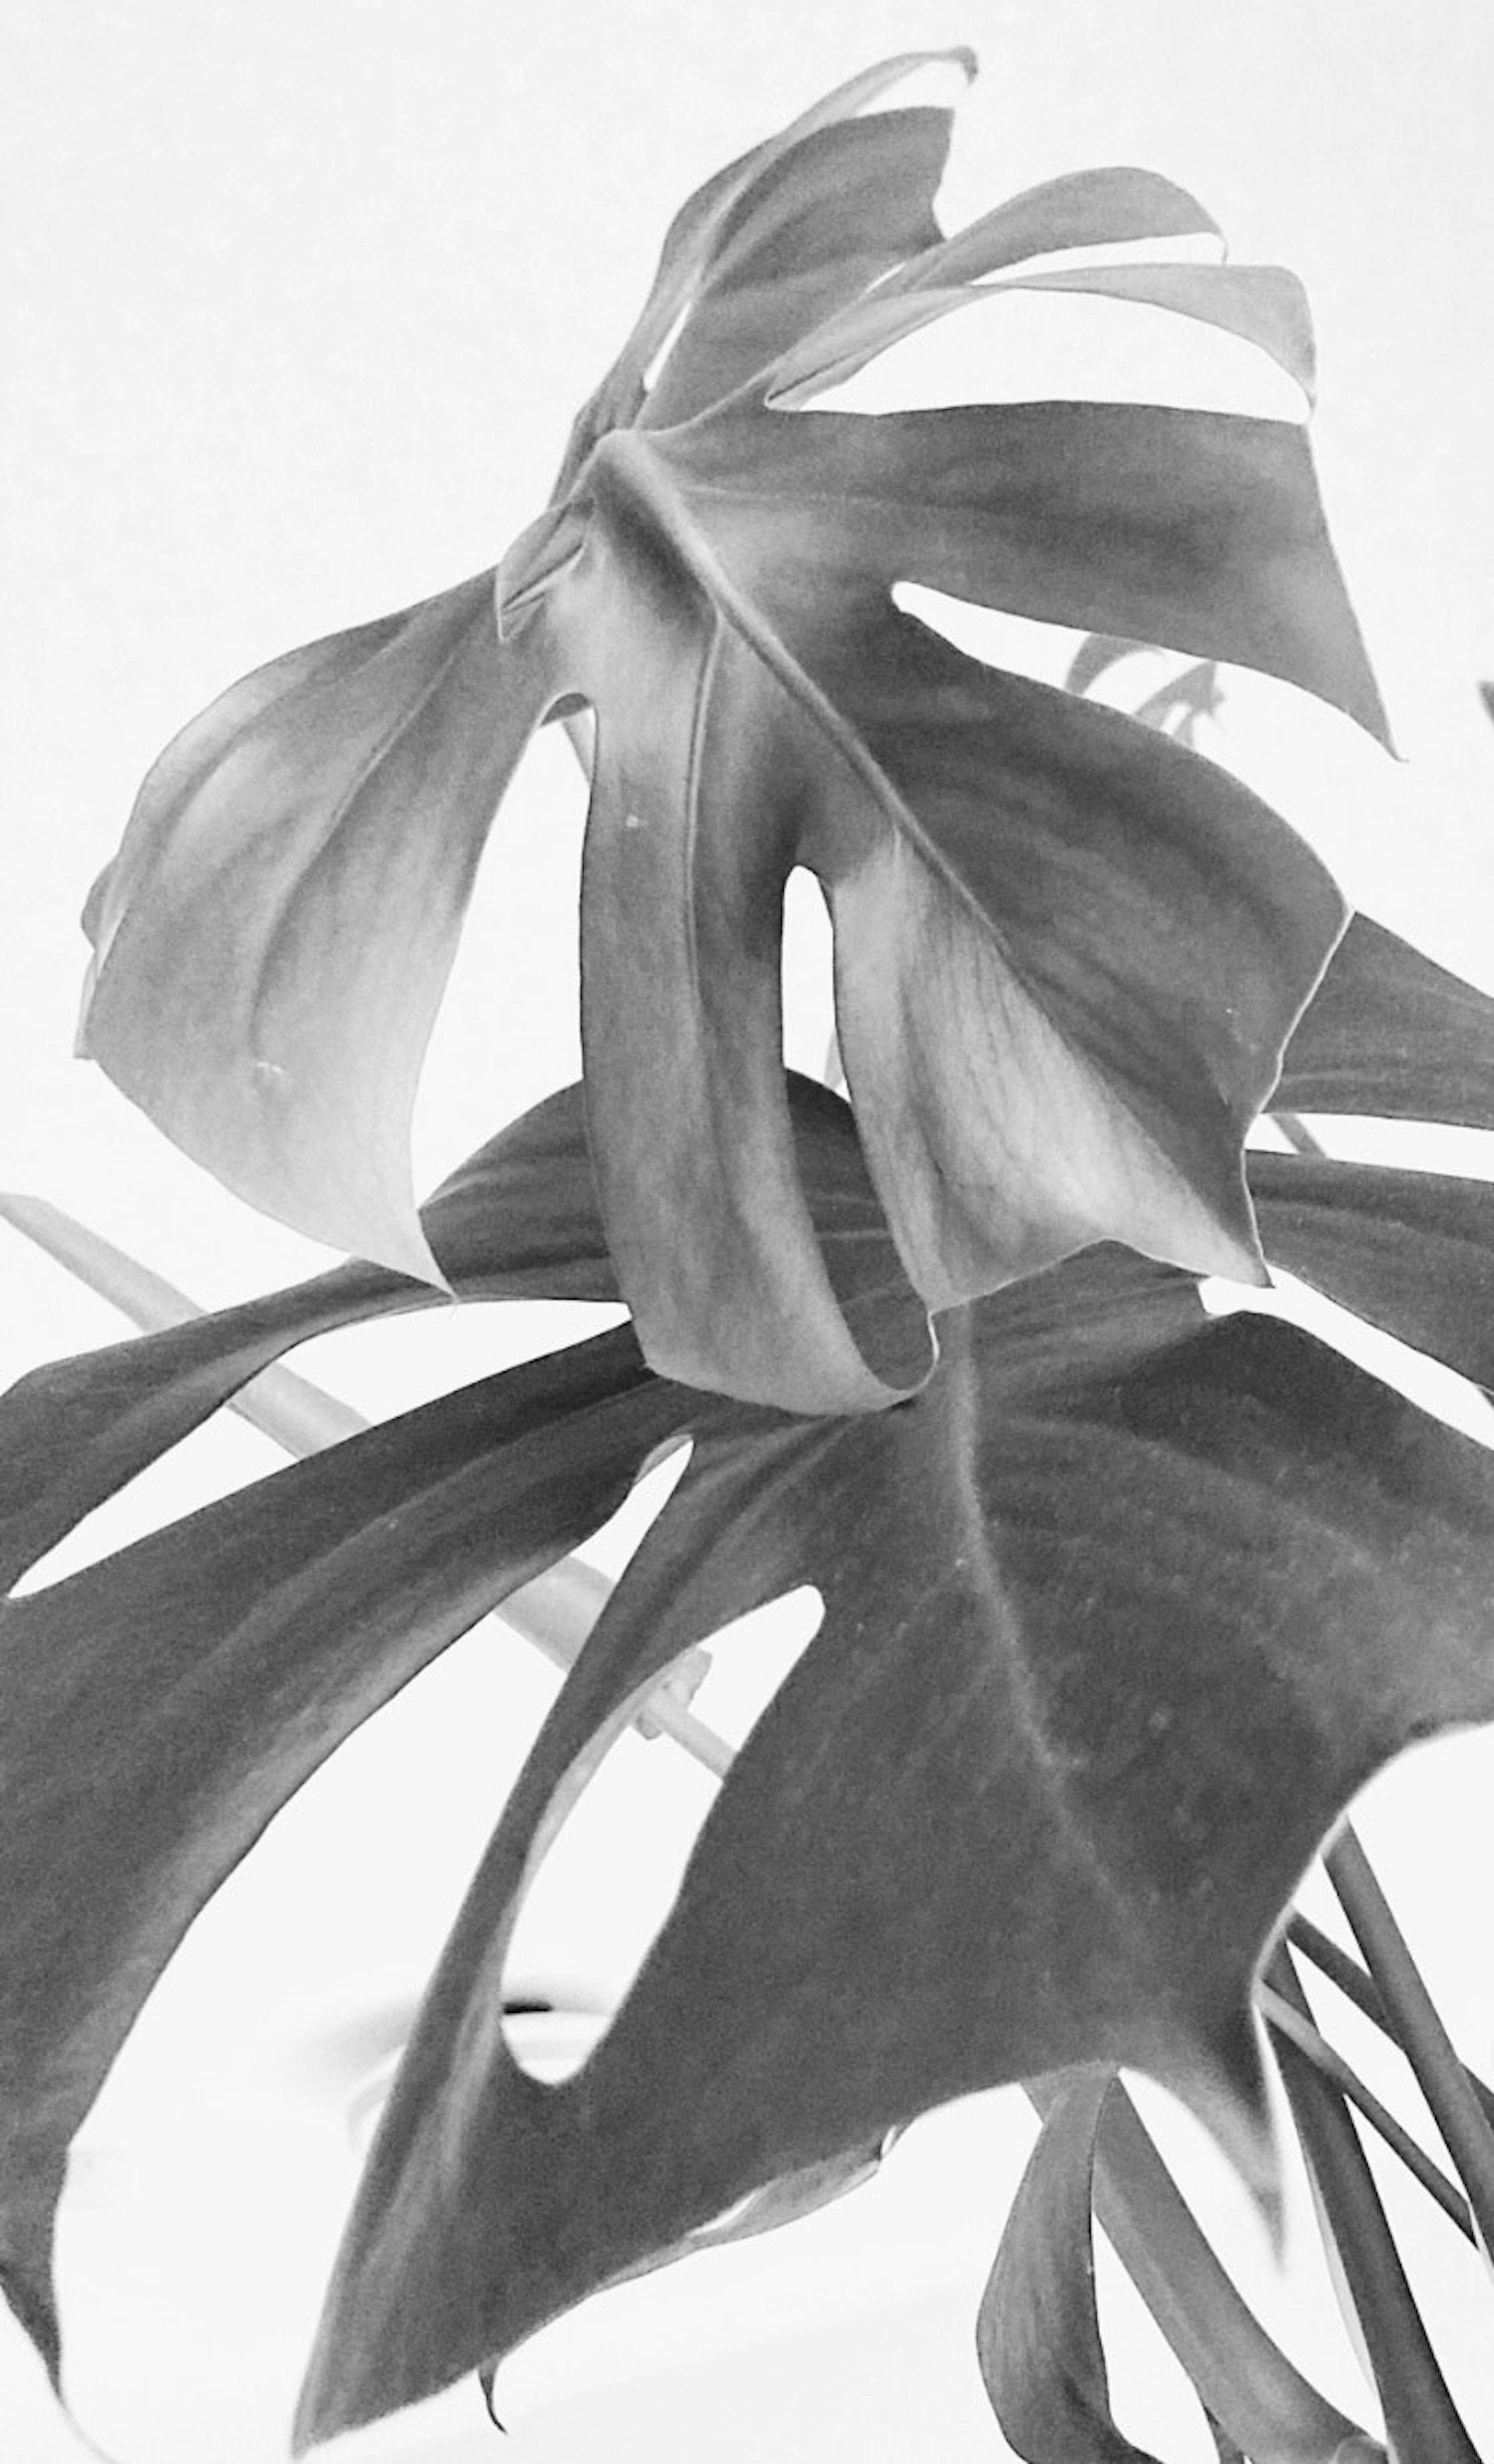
(1038, 2331)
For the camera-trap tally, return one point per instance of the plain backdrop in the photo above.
(299, 300)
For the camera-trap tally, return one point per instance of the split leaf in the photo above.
(1034, 1797)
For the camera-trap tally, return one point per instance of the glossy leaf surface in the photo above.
(1033, 1796)
(713, 577)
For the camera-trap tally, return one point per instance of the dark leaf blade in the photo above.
(1202, 531)
(1135, 1758)
(1393, 1035)
(1413, 1252)
(1038, 2330)
(234, 1653)
(272, 940)
(519, 1219)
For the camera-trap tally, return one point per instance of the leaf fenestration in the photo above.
(276, 933)
(1127, 1604)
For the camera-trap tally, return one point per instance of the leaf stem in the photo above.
(1297, 1134)
(1417, 2026)
(1358, 1986)
(1421, 2420)
(1291, 2023)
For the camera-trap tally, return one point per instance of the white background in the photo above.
(301, 300)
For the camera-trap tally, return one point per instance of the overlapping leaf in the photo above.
(1119, 1610)
(715, 578)
(172, 1698)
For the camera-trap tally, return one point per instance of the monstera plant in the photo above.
(1123, 1599)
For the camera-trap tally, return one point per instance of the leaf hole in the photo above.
(620, 1834)
(1021, 643)
(808, 975)
(1016, 346)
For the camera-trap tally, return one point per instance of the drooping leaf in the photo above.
(1410, 1252)
(157, 1708)
(1119, 1610)
(273, 940)
(1038, 2331)
(656, 586)
(1240, 2375)
(1391, 1034)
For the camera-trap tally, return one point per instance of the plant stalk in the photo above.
(1418, 2027)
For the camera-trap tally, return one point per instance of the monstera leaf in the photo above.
(1119, 1610)
(1067, 955)
(1034, 1797)
(172, 1698)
